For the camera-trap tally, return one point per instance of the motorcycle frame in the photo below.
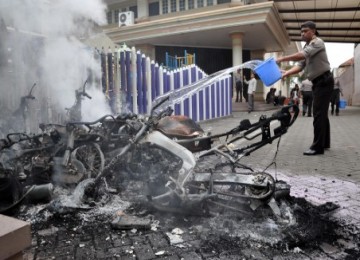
(189, 160)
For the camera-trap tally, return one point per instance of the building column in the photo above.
(260, 93)
(237, 59)
(237, 49)
(143, 9)
(354, 99)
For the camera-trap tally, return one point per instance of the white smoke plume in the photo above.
(41, 43)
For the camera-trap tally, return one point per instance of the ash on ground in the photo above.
(90, 233)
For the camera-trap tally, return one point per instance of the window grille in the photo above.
(165, 6)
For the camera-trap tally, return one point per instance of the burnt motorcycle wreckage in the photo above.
(16, 121)
(60, 155)
(178, 164)
(178, 180)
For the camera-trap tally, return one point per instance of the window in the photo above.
(116, 15)
(173, 6)
(134, 9)
(209, 2)
(109, 17)
(191, 4)
(165, 7)
(182, 5)
(154, 9)
(200, 3)
(223, 1)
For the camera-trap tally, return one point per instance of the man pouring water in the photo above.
(314, 58)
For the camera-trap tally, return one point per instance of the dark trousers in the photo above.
(245, 90)
(335, 101)
(307, 102)
(239, 88)
(322, 90)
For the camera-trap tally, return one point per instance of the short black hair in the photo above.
(311, 25)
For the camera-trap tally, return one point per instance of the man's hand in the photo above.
(283, 74)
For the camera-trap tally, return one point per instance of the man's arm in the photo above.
(293, 57)
(294, 70)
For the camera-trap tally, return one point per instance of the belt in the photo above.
(322, 76)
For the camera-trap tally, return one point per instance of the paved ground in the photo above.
(332, 177)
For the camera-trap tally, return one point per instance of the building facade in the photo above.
(221, 33)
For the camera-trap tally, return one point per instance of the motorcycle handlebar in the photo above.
(159, 104)
(101, 119)
(30, 97)
(283, 115)
(86, 95)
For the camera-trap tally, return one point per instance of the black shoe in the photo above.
(309, 115)
(313, 152)
(332, 113)
(304, 113)
(337, 114)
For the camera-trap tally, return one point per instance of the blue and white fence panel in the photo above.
(132, 82)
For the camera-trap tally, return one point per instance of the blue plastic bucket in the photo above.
(342, 103)
(268, 71)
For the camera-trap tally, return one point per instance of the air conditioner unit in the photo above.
(126, 18)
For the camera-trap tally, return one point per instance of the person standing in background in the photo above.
(238, 85)
(251, 91)
(314, 58)
(295, 95)
(335, 97)
(245, 91)
(307, 95)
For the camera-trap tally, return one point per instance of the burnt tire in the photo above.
(11, 192)
(92, 157)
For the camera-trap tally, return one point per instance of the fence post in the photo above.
(103, 69)
(212, 103)
(161, 81)
(193, 105)
(177, 86)
(185, 57)
(138, 82)
(134, 81)
(186, 82)
(167, 59)
(148, 84)
(129, 101)
(153, 90)
(181, 84)
(165, 81)
(228, 101)
(202, 106)
(157, 80)
(117, 83)
(143, 83)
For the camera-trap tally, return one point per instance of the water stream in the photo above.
(176, 96)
